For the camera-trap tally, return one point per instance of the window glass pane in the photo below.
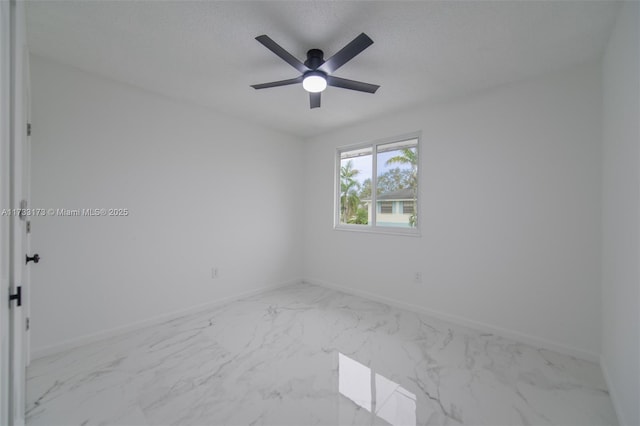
(397, 184)
(355, 186)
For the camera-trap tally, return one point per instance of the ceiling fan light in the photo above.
(314, 82)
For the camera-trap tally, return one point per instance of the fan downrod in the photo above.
(315, 58)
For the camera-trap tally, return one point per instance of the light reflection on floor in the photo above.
(375, 393)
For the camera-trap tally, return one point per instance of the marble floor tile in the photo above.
(307, 355)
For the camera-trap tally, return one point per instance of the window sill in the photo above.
(378, 230)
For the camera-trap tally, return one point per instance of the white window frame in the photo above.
(372, 227)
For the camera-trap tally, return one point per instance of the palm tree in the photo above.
(349, 200)
(409, 156)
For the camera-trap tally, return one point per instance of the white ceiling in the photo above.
(205, 52)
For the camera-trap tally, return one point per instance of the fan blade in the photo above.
(351, 84)
(314, 100)
(278, 83)
(347, 53)
(283, 54)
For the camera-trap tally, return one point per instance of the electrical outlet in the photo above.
(417, 278)
(214, 272)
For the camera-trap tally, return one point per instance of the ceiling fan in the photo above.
(316, 72)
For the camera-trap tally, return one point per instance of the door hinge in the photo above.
(23, 209)
(28, 227)
(28, 129)
(27, 323)
(17, 297)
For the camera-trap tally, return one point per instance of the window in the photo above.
(377, 186)
(407, 207)
(386, 207)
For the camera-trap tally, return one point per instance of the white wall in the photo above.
(510, 211)
(621, 215)
(203, 189)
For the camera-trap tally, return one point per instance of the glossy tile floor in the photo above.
(303, 355)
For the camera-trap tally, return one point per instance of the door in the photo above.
(20, 214)
(5, 204)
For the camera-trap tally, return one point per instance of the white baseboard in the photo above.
(466, 322)
(94, 337)
(612, 391)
